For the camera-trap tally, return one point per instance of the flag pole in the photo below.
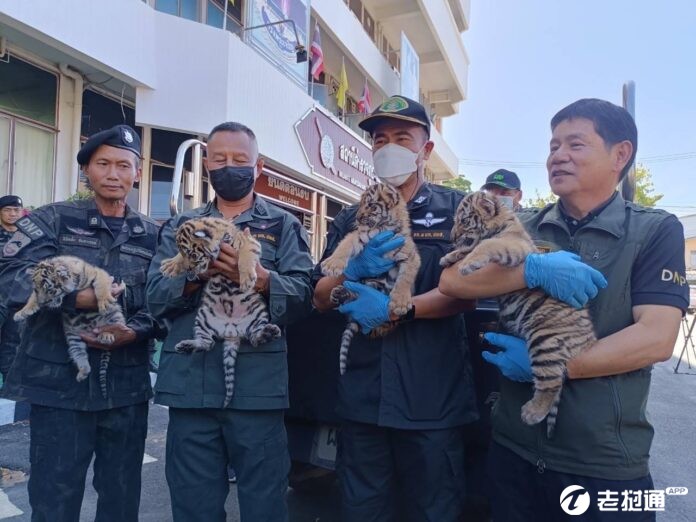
(311, 76)
(345, 94)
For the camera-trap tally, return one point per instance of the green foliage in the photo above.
(644, 188)
(459, 183)
(539, 201)
(81, 194)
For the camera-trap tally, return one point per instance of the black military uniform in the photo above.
(9, 330)
(405, 397)
(71, 421)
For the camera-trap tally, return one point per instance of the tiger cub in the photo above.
(485, 231)
(381, 208)
(59, 276)
(228, 311)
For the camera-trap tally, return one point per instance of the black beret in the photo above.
(120, 136)
(10, 201)
(397, 108)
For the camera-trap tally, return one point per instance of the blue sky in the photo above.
(531, 58)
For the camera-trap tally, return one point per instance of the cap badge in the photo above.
(127, 136)
(394, 104)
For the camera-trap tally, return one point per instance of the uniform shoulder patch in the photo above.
(30, 228)
(16, 243)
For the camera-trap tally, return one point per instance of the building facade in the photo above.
(173, 69)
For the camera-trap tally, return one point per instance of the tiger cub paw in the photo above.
(399, 304)
(449, 259)
(171, 267)
(186, 346)
(333, 267)
(106, 338)
(83, 371)
(247, 281)
(468, 268)
(532, 413)
(340, 294)
(267, 333)
(21, 315)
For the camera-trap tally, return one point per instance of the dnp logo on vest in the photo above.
(674, 277)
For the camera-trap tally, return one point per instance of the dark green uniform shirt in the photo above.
(602, 428)
(43, 373)
(261, 377)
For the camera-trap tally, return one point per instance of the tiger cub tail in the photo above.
(551, 418)
(103, 368)
(351, 329)
(230, 347)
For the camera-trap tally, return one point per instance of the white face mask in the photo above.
(394, 164)
(507, 201)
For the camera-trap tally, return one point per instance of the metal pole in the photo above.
(628, 185)
(224, 20)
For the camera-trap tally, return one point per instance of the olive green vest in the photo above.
(602, 428)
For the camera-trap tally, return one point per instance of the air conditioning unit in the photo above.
(439, 96)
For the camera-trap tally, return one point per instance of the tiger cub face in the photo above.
(199, 242)
(479, 216)
(377, 205)
(52, 282)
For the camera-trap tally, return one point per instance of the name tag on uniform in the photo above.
(135, 250)
(90, 242)
(439, 235)
(271, 238)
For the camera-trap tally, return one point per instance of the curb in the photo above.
(8, 413)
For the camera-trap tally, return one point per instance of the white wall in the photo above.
(113, 35)
(444, 28)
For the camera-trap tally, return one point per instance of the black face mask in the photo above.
(232, 183)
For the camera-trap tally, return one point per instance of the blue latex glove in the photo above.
(563, 276)
(513, 359)
(370, 262)
(369, 310)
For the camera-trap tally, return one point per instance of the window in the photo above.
(693, 259)
(356, 7)
(183, 8)
(369, 25)
(216, 13)
(28, 115)
(28, 92)
(100, 112)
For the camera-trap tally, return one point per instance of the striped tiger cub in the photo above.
(228, 311)
(59, 276)
(485, 231)
(381, 208)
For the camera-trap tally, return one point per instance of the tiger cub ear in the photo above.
(486, 204)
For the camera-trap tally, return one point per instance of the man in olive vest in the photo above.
(599, 453)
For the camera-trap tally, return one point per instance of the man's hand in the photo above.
(122, 335)
(563, 276)
(371, 262)
(87, 300)
(227, 264)
(370, 309)
(513, 358)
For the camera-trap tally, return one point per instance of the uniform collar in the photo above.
(259, 210)
(609, 218)
(422, 197)
(136, 227)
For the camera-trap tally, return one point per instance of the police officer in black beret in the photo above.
(10, 211)
(71, 421)
(405, 397)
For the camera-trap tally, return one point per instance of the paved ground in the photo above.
(672, 408)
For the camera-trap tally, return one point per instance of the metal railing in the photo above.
(178, 175)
